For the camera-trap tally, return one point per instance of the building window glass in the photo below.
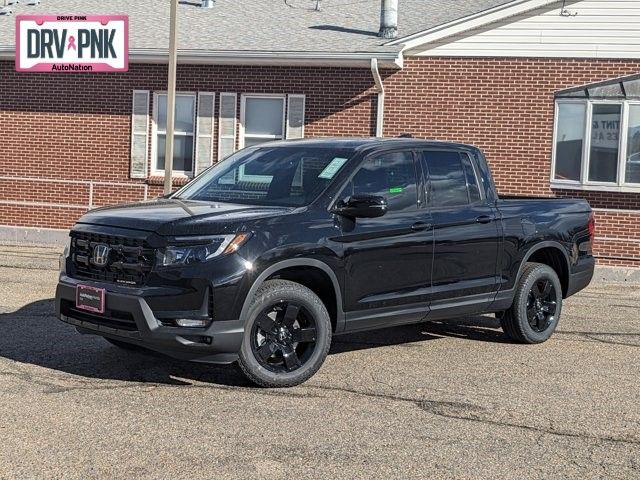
(184, 132)
(605, 140)
(632, 161)
(597, 136)
(262, 119)
(597, 143)
(570, 140)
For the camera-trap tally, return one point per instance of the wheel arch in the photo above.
(285, 268)
(554, 255)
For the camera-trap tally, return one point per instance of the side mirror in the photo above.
(362, 206)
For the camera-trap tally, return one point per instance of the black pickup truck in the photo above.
(265, 256)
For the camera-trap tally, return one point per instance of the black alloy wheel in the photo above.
(287, 335)
(283, 337)
(541, 305)
(537, 305)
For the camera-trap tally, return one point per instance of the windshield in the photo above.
(284, 176)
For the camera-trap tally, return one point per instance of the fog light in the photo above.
(192, 322)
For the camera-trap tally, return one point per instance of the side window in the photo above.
(390, 175)
(472, 179)
(451, 178)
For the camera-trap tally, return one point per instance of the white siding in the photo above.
(601, 29)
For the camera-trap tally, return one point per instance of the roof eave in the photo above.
(391, 60)
(469, 22)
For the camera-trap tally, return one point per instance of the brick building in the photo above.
(550, 91)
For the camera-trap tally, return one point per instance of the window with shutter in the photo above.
(184, 133)
(204, 141)
(227, 125)
(139, 133)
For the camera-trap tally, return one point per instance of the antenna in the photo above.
(564, 11)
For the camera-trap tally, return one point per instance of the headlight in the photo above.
(63, 257)
(189, 254)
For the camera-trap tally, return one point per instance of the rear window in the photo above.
(452, 180)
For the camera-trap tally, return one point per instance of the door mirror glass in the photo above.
(362, 206)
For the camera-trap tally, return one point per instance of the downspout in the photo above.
(380, 89)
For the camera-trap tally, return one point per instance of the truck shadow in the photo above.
(33, 335)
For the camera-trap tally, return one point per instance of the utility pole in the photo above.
(171, 96)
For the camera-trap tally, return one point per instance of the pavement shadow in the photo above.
(35, 336)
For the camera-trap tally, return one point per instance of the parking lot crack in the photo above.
(472, 413)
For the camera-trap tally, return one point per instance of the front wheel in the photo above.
(287, 335)
(536, 308)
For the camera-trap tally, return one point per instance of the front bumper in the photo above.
(129, 318)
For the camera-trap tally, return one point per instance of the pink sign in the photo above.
(72, 43)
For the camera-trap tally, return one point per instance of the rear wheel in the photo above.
(287, 335)
(536, 308)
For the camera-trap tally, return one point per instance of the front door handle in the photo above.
(484, 219)
(419, 226)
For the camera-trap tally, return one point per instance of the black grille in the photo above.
(110, 318)
(128, 261)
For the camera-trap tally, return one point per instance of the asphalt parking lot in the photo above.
(435, 400)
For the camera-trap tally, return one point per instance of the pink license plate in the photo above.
(90, 298)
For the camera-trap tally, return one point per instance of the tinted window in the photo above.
(448, 182)
(472, 179)
(288, 176)
(390, 175)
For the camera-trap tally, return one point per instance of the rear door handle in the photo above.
(484, 219)
(419, 226)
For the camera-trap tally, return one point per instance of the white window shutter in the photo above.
(204, 138)
(295, 116)
(227, 125)
(139, 133)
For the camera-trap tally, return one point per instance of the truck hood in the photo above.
(179, 217)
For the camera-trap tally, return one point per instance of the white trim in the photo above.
(91, 184)
(74, 182)
(154, 135)
(618, 239)
(43, 204)
(616, 210)
(470, 22)
(381, 97)
(595, 187)
(393, 60)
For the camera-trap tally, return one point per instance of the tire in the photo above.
(287, 335)
(124, 345)
(536, 308)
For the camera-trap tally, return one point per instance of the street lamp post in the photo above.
(171, 97)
